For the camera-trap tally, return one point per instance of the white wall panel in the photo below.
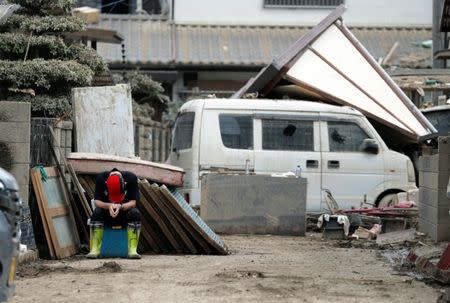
(104, 120)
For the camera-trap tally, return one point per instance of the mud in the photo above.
(259, 269)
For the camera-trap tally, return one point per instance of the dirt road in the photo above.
(259, 269)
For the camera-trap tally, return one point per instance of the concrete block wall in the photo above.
(434, 205)
(15, 134)
(15, 139)
(152, 140)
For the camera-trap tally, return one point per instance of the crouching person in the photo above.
(116, 194)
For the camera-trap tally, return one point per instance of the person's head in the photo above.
(116, 186)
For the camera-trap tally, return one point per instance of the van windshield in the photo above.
(184, 127)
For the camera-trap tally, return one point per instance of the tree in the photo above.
(148, 95)
(37, 63)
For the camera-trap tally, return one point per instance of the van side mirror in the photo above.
(370, 146)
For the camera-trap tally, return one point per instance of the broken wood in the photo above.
(396, 236)
(91, 163)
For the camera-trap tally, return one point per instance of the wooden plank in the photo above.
(149, 207)
(171, 219)
(187, 228)
(396, 236)
(91, 163)
(195, 220)
(58, 212)
(86, 185)
(80, 191)
(37, 186)
(153, 229)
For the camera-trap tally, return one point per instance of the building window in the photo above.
(287, 135)
(236, 131)
(302, 3)
(117, 7)
(184, 128)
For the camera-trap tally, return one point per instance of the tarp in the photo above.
(329, 64)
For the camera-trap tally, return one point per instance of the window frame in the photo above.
(287, 120)
(174, 134)
(252, 139)
(362, 127)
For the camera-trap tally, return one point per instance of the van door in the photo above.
(282, 142)
(349, 173)
(226, 140)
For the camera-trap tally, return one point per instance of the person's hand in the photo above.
(114, 209)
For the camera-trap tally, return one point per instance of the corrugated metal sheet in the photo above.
(161, 43)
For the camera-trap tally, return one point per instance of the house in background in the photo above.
(203, 47)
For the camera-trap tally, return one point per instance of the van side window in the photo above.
(236, 131)
(184, 126)
(345, 136)
(287, 135)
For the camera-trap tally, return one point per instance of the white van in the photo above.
(336, 147)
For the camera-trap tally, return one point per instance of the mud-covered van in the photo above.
(335, 147)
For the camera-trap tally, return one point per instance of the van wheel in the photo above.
(388, 200)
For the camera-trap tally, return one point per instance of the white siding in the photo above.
(359, 12)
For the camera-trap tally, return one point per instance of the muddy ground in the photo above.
(259, 269)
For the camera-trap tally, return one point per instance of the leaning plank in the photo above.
(187, 227)
(189, 214)
(56, 209)
(35, 177)
(80, 191)
(92, 163)
(171, 219)
(165, 230)
(158, 242)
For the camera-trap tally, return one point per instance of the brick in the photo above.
(433, 180)
(433, 197)
(437, 232)
(444, 145)
(21, 173)
(23, 192)
(436, 215)
(20, 152)
(15, 111)
(17, 132)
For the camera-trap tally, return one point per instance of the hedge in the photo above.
(43, 74)
(13, 47)
(44, 105)
(43, 24)
(45, 7)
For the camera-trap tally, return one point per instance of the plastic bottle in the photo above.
(298, 171)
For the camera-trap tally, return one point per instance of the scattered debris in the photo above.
(396, 236)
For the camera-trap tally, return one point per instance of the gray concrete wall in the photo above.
(15, 133)
(434, 205)
(254, 204)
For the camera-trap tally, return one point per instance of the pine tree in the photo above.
(37, 63)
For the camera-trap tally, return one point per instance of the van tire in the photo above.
(388, 200)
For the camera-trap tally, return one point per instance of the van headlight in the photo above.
(411, 174)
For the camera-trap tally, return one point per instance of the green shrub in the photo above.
(44, 74)
(45, 24)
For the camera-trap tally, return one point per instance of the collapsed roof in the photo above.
(329, 64)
